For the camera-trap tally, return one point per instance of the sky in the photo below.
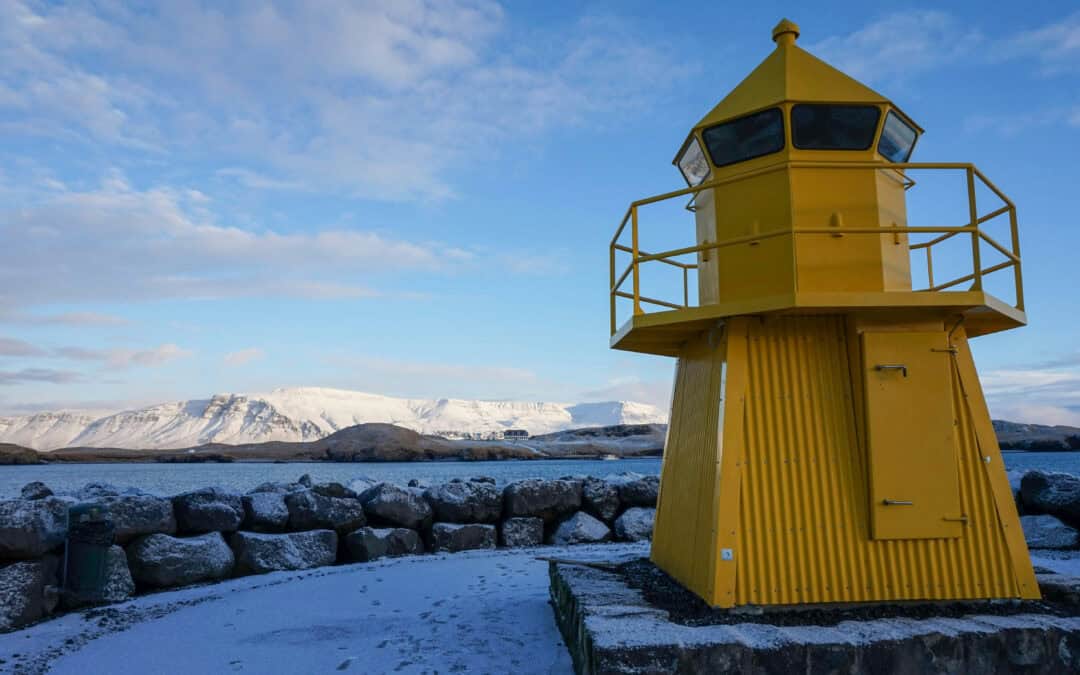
(415, 198)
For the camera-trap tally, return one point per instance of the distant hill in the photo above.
(1019, 436)
(390, 443)
(305, 414)
(16, 454)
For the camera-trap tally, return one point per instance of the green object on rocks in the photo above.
(90, 534)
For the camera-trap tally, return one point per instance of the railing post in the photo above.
(930, 266)
(611, 285)
(685, 287)
(634, 246)
(1016, 265)
(976, 259)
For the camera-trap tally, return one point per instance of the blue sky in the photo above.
(415, 198)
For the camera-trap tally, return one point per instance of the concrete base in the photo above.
(609, 627)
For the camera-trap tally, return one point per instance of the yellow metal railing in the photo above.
(972, 228)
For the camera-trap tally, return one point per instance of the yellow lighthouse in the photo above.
(829, 440)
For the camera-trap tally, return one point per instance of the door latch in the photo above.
(892, 366)
(897, 502)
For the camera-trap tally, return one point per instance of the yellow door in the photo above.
(914, 491)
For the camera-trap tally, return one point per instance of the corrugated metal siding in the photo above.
(804, 514)
(685, 521)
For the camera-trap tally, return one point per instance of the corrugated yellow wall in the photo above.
(683, 544)
(804, 535)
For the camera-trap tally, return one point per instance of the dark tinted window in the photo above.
(745, 138)
(833, 127)
(897, 139)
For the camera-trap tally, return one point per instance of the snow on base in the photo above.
(480, 611)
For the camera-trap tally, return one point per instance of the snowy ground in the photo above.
(476, 612)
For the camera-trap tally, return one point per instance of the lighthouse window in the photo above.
(692, 163)
(897, 139)
(833, 127)
(745, 138)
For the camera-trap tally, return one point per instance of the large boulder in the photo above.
(265, 512)
(209, 509)
(35, 490)
(518, 532)
(635, 524)
(581, 528)
(334, 490)
(1055, 493)
(161, 560)
(600, 498)
(28, 529)
(453, 537)
(135, 515)
(309, 510)
(547, 499)
(368, 543)
(258, 553)
(1046, 531)
(396, 506)
(119, 585)
(26, 588)
(465, 502)
(637, 490)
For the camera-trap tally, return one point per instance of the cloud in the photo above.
(121, 243)
(1019, 122)
(632, 388)
(48, 375)
(1056, 45)
(15, 347)
(1048, 395)
(381, 100)
(899, 45)
(64, 319)
(244, 356)
(119, 359)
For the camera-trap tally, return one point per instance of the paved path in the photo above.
(470, 612)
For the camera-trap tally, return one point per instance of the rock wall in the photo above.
(212, 534)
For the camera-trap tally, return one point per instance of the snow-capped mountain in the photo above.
(304, 414)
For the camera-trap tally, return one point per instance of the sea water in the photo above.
(170, 479)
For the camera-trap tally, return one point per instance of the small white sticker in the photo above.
(727, 554)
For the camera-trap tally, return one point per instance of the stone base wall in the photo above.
(212, 534)
(610, 628)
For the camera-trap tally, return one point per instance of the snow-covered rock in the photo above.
(265, 511)
(580, 528)
(635, 524)
(23, 587)
(29, 529)
(309, 510)
(304, 414)
(160, 560)
(1055, 493)
(465, 502)
(392, 505)
(600, 498)
(518, 532)
(208, 509)
(258, 553)
(637, 490)
(369, 543)
(135, 515)
(453, 537)
(35, 490)
(547, 499)
(1048, 532)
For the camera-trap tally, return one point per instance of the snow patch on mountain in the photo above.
(305, 414)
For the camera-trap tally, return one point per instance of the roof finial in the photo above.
(785, 33)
